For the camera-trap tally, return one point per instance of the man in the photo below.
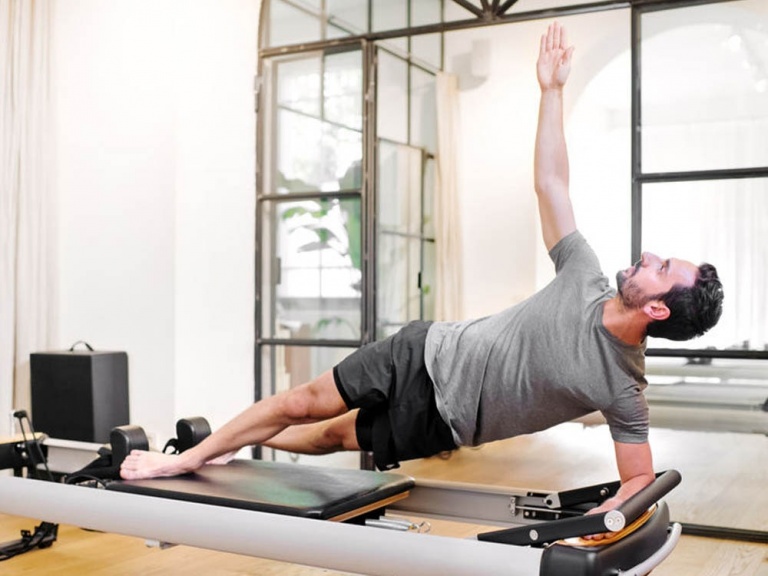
(574, 347)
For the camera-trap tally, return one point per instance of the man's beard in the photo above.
(630, 295)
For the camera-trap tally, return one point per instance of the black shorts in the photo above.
(388, 381)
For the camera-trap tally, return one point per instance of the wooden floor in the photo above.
(725, 477)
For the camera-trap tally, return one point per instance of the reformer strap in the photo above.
(44, 536)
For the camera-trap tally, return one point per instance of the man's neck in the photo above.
(628, 325)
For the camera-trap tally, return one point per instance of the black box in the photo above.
(79, 395)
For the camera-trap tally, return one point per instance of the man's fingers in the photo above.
(556, 35)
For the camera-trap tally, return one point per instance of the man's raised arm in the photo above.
(551, 155)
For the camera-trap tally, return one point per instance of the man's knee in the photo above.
(316, 400)
(340, 432)
(296, 404)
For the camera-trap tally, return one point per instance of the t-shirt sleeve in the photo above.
(628, 418)
(574, 252)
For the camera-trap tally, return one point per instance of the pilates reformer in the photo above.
(286, 512)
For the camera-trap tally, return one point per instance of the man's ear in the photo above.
(656, 310)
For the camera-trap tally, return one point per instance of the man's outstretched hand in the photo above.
(554, 63)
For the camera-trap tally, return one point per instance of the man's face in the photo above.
(652, 276)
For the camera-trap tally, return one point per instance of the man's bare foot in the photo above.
(140, 464)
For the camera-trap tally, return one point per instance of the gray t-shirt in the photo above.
(545, 361)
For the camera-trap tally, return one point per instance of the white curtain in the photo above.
(448, 239)
(25, 166)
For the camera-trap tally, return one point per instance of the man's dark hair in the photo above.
(693, 309)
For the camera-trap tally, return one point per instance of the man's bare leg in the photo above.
(315, 401)
(319, 438)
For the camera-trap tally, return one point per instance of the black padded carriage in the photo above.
(290, 489)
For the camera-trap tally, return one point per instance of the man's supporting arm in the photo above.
(635, 463)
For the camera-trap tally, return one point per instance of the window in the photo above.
(312, 266)
(345, 247)
(704, 154)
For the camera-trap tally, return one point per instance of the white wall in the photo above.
(155, 145)
(497, 203)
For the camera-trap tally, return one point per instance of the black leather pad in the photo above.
(289, 489)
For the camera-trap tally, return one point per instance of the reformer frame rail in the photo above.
(339, 546)
(260, 508)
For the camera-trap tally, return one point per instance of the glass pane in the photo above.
(298, 84)
(398, 295)
(399, 206)
(343, 89)
(290, 25)
(348, 16)
(391, 15)
(392, 98)
(425, 12)
(313, 155)
(428, 280)
(332, 32)
(426, 47)
(454, 12)
(724, 223)
(317, 140)
(428, 219)
(285, 367)
(423, 110)
(311, 269)
(412, 287)
(705, 87)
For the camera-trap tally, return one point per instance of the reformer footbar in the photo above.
(637, 529)
(612, 521)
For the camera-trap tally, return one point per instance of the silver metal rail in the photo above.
(331, 545)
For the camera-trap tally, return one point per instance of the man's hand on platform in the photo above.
(607, 506)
